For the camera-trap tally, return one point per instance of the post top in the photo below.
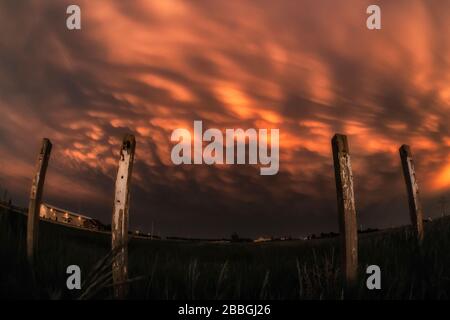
(405, 150)
(340, 142)
(129, 142)
(46, 141)
(46, 146)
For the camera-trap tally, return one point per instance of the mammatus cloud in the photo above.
(149, 67)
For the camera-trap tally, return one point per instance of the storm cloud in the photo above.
(148, 67)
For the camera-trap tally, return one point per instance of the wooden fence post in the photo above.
(412, 188)
(37, 188)
(120, 217)
(346, 208)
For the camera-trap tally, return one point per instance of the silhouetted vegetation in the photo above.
(164, 269)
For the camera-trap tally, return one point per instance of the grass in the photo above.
(199, 270)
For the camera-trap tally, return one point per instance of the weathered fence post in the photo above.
(412, 188)
(346, 208)
(37, 188)
(119, 224)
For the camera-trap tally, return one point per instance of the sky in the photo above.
(308, 68)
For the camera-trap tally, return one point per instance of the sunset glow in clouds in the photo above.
(308, 68)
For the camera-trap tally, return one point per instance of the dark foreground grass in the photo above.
(196, 270)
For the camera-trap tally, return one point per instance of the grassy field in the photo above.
(195, 270)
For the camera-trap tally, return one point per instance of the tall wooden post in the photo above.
(412, 188)
(346, 208)
(120, 217)
(37, 188)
